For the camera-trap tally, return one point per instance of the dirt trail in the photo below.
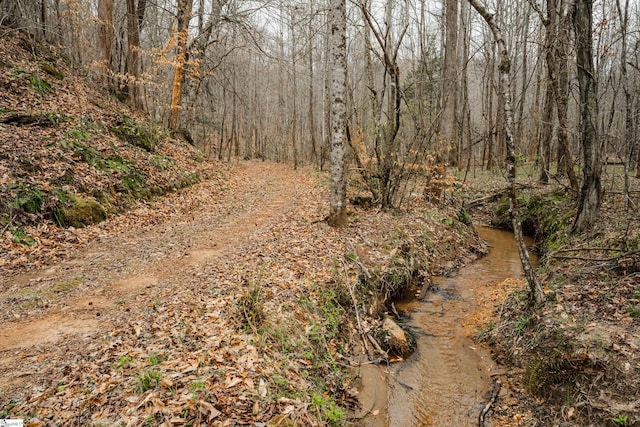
(120, 275)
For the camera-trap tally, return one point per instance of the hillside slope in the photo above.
(71, 154)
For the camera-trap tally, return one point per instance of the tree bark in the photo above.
(105, 38)
(133, 51)
(338, 45)
(628, 112)
(565, 160)
(294, 88)
(312, 122)
(536, 295)
(591, 192)
(447, 123)
(551, 28)
(182, 35)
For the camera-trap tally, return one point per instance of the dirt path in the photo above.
(45, 312)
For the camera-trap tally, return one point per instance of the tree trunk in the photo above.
(551, 28)
(338, 21)
(565, 160)
(105, 38)
(464, 108)
(133, 52)
(447, 123)
(43, 18)
(312, 121)
(536, 294)
(525, 78)
(326, 100)
(294, 88)
(628, 112)
(182, 34)
(591, 192)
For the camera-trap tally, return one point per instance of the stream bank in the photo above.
(450, 377)
(574, 359)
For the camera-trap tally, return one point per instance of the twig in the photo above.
(395, 312)
(614, 258)
(355, 307)
(5, 228)
(325, 219)
(11, 218)
(586, 249)
(377, 347)
(492, 399)
(359, 263)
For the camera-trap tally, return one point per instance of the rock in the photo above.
(397, 340)
(81, 212)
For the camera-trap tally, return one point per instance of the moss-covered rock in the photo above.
(52, 71)
(79, 212)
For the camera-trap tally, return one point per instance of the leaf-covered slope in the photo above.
(70, 153)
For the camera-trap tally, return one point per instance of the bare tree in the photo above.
(536, 294)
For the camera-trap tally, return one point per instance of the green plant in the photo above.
(155, 359)
(161, 162)
(327, 409)
(148, 380)
(198, 385)
(464, 217)
(634, 310)
(124, 360)
(622, 420)
(251, 308)
(28, 198)
(41, 86)
(117, 163)
(483, 332)
(335, 414)
(20, 236)
(134, 182)
(74, 141)
(137, 134)
(520, 324)
(152, 420)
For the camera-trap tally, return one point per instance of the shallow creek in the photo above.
(446, 381)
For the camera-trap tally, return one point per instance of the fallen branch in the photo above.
(495, 391)
(493, 197)
(486, 199)
(613, 258)
(379, 349)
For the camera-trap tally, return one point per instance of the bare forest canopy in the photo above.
(251, 79)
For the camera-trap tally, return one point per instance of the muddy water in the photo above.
(446, 382)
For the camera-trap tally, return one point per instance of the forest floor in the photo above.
(223, 303)
(141, 283)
